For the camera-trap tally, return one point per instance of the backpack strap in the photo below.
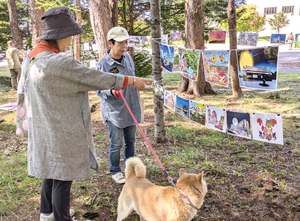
(34, 59)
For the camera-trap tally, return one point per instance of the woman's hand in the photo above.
(138, 83)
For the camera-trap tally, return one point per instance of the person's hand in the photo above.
(140, 83)
(115, 93)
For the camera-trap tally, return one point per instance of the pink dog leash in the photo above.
(149, 145)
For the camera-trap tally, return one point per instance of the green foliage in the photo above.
(247, 19)
(279, 21)
(142, 63)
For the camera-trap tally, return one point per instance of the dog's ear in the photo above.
(181, 172)
(200, 177)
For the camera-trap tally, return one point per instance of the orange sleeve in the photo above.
(125, 83)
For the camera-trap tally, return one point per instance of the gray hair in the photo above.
(9, 43)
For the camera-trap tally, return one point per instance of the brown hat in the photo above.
(59, 23)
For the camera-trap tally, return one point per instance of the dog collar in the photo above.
(186, 196)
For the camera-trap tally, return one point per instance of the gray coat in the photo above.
(60, 142)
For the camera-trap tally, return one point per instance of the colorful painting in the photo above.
(86, 46)
(297, 38)
(134, 41)
(197, 112)
(258, 68)
(9, 106)
(238, 124)
(159, 92)
(278, 38)
(166, 57)
(217, 37)
(216, 67)
(189, 63)
(182, 106)
(216, 118)
(248, 39)
(267, 128)
(146, 40)
(175, 36)
(169, 100)
(164, 39)
(94, 46)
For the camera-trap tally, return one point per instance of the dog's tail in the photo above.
(135, 166)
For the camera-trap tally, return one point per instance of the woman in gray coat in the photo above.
(60, 142)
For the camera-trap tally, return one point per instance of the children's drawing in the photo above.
(167, 57)
(164, 39)
(238, 124)
(278, 38)
(146, 40)
(216, 118)
(197, 112)
(175, 36)
(134, 41)
(267, 128)
(189, 63)
(217, 37)
(86, 46)
(258, 68)
(159, 92)
(216, 67)
(182, 106)
(169, 100)
(297, 38)
(248, 39)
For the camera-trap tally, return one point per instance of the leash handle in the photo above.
(149, 145)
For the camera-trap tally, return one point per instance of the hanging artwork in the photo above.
(134, 41)
(258, 68)
(94, 46)
(238, 124)
(159, 92)
(169, 100)
(164, 39)
(297, 38)
(217, 37)
(146, 40)
(248, 39)
(93, 64)
(267, 128)
(197, 112)
(216, 118)
(86, 46)
(182, 106)
(189, 63)
(166, 57)
(216, 67)
(278, 38)
(175, 36)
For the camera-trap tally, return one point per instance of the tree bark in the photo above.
(114, 10)
(194, 39)
(36, 22)
(235, 83)
(101, 23)
(14, 26)
(77, 44)
(160, 134)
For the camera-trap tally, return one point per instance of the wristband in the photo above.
(133, 80)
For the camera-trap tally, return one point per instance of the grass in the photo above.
(239, 172)
(5, 74)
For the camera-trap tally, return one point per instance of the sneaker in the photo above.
(50, 217)
(118, 177)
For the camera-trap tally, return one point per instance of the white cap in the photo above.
(118, 34)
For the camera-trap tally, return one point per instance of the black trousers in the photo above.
(55, 197)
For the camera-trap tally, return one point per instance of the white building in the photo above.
(268, 8)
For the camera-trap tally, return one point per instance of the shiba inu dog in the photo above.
(160, 203)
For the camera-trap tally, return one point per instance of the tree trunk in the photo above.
(160, 134)
(13, 18)
(114, 10)
(235, 83)
(77, 44)
(101, 23)
(36, 21)
(194, 39)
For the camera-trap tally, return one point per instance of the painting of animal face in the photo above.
(267, 128)
(216, 67)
